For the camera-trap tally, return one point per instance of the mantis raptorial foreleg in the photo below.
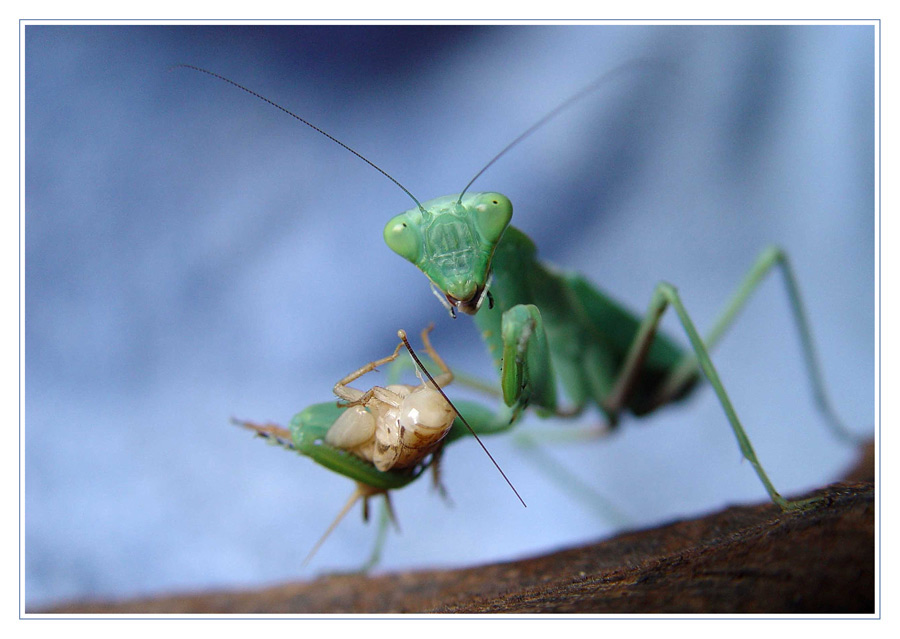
(528, 370)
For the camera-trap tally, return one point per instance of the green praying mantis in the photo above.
(545, 329)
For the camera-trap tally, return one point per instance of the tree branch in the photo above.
(747, 559)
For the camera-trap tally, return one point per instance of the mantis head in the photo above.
(452, 240)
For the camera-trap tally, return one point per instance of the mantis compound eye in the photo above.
(403, 238)
(493, 213)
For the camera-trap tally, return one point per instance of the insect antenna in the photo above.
(603, 79)
(309, 124)
(402, 335)
(362, 492)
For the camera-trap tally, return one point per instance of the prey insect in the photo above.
(384, 437)
(547, 329)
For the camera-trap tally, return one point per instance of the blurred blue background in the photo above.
(193, 254)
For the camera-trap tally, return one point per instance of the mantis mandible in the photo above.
(546, 328)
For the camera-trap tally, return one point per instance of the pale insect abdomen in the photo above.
(398, 434)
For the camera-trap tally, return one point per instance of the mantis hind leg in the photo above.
(771, 257)
(684, 373)
(665, 295)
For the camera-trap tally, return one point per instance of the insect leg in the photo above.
(665, 295)
(353, 396)
(771, 257)
(363, 492)
(527, 374)
(273, 432)
(446, 376)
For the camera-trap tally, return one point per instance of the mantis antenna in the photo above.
(593, 86)
(402, 335)
(309, 124)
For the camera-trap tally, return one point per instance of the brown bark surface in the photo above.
(748, 559)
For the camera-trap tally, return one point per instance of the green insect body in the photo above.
(543, 326)
(308, 429)
(542, 322)
(544, 329)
